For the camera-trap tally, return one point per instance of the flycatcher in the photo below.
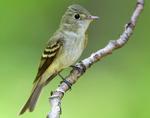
(62, 50)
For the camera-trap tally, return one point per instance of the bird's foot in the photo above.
(81, 68)
(65, 81)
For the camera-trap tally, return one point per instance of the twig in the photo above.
(55, 99)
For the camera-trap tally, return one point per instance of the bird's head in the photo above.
(77, 18)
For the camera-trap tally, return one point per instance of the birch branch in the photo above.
(57, 95)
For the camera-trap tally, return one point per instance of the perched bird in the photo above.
(62, 50)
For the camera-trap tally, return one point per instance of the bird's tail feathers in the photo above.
(31, 102)
(37, 88)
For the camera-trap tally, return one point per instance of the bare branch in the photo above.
(55, 99)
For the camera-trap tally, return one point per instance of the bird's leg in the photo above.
(64, 80)
(61, 76)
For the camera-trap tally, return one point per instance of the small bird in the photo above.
(62, 50)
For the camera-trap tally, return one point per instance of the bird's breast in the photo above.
(72, 49)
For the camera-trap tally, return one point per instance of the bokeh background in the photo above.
(116, 87)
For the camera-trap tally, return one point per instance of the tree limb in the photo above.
(57, 95)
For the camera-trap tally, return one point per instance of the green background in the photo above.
(116, 87)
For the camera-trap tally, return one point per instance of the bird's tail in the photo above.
(31, 102)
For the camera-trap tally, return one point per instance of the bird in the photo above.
(63, 49)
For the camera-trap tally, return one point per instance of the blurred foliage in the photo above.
(116, 87)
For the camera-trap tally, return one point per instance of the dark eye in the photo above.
(77, 16)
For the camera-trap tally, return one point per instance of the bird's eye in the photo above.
(77, 16)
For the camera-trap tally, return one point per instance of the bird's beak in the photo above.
(93, 17)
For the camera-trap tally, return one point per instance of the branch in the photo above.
(55, 99)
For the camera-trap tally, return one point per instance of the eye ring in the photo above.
(77, 16)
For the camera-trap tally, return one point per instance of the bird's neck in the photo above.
(73, 28)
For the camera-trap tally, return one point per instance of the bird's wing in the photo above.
(48, 56)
